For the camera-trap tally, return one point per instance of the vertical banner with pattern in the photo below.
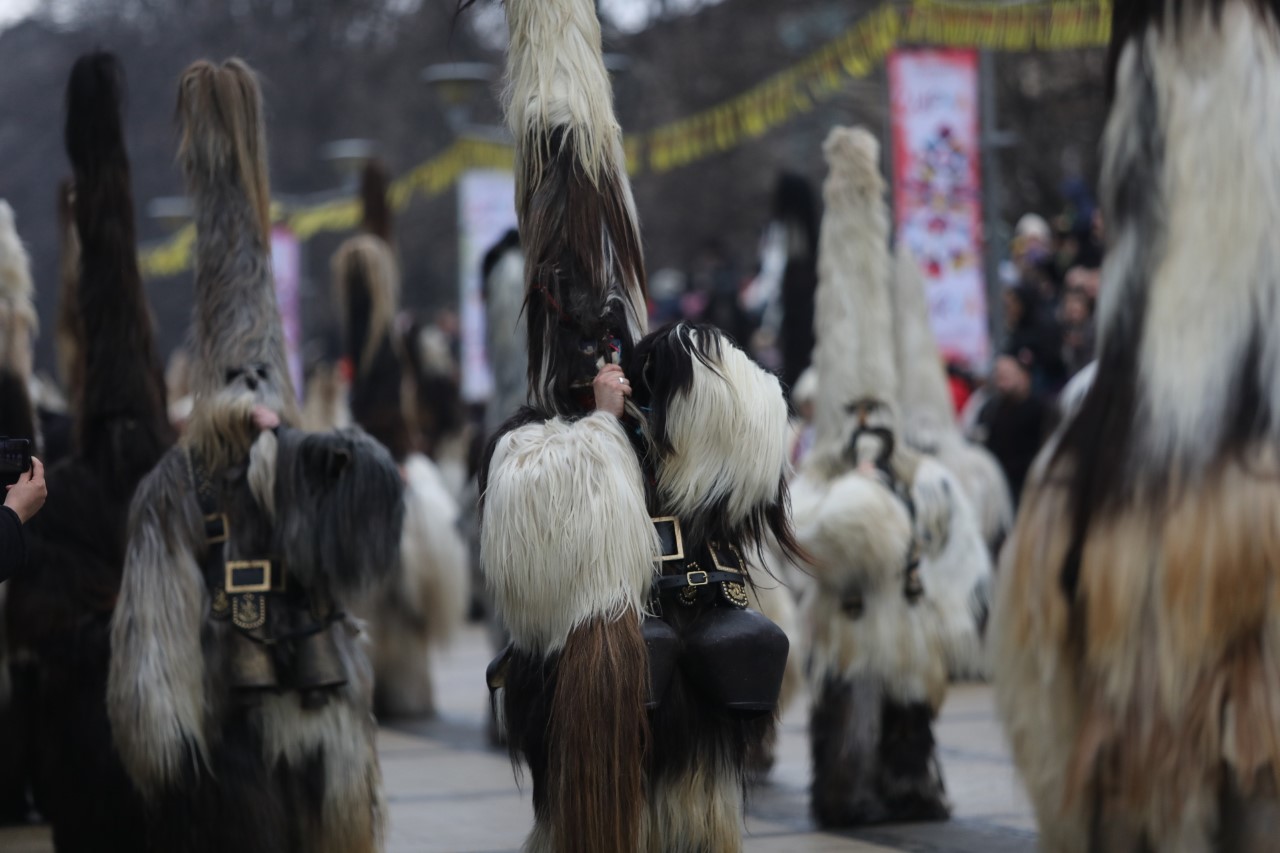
(486, 211)
(937, 191)
(286, 260)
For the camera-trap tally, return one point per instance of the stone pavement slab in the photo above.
(448, 792)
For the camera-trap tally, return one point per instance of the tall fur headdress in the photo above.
(18, 323)
(927, 411)
(238, 348)
(376, 218)
(854, 354)
(366, 289)
(795, 207)
(366, 284)
(121, 377)
(584, 272)
(69, 330)
(366, 278)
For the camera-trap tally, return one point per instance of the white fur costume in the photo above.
(898, 562)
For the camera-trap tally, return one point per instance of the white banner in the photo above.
(486, 211)
(286, 261)
(937, 191)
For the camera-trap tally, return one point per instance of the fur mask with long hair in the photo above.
(584, 273)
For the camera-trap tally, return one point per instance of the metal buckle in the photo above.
(678, 537)
(724, 567)
(703, 580)
(251, 585)
(226, 528)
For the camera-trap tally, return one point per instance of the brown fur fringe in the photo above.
(598, 734)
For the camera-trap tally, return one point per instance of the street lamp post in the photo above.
(995, 234)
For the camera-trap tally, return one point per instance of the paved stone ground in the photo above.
(449, 793)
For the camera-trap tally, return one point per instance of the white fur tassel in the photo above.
(569, 536)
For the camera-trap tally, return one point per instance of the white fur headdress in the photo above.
(584, 272)
(927, 411)
(18, 323)
(854, 355)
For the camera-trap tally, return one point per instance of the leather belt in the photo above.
(681, 571)
(695, 578)
(245, 583)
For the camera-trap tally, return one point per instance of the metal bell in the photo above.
(317, 663)
(251, 665)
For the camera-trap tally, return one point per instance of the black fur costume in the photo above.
(239, 698)
(616, 549)
(59, 611)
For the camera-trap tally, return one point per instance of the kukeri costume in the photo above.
(898, 562)
(1135, 626)
(426, 599)
(60, 611)
(617, 550)
(238, 694)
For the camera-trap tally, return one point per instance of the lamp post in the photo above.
(171, 211)
(347, 157)
(457, 85)
(995, 233)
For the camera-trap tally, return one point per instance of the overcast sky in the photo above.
(10, 10)
(627, 14)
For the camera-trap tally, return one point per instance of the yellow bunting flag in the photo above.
(787, 95)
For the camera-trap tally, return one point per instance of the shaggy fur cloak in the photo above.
(1135, 629)
(244, 718)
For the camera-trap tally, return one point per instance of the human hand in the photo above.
(611, 389)
(264, 419)
(26, 496)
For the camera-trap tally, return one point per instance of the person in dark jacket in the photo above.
(1016, 420)
(23, 500)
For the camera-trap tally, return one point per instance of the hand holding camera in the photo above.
(26, 496)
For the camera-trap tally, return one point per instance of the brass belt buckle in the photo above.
(248, 576)
(701, 578)
(723, 557)
(220, 517)
(676, 536)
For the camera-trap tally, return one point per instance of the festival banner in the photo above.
(486, 211)
(286, 264)
(933, 98)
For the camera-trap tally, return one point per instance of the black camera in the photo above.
(15, 456)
